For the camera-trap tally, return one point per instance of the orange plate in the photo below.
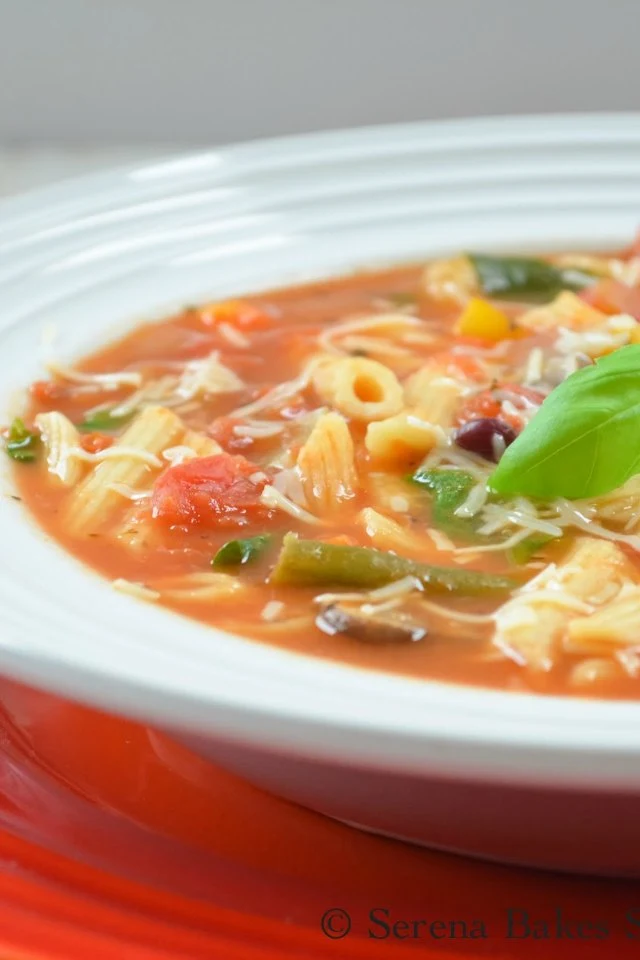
(116, 842)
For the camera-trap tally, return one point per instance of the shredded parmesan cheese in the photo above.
(137, 590)
(534, 369)
(233, 336)
(258, 429)
(474, 503)
(114, 453)
(272, 610)
(129, 493)
(390, 591)
(176, 455)
(441, 540)
(105, 381)
(271, 497)
(207, 376)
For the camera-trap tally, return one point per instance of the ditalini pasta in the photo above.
(432, 470)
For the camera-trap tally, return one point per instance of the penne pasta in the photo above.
(326, 464)
(93, 503)
(60, 439)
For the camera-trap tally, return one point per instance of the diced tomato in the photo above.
(95, 442)
(613, 297)
(222, 431)
(222, 490)
(485, 404)
(47, 392)
(237, 313)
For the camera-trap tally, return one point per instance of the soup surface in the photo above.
(430, 470)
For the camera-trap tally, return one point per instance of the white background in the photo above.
(210, 71)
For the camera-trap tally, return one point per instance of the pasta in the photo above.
(60, 438)
(385, 533)
(402, 438)
(359, 388)
(326, 464)
(93, 502)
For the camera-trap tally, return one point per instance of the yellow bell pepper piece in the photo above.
(481, 319)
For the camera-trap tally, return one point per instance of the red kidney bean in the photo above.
(488, 437)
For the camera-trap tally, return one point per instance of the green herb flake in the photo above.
(103, 421)
(22, 444)
(585, 439)
(237, 552)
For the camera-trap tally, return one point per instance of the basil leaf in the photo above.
(524, 278)
(585, 439)
(236, 552)
(22, 444)
(103, 421)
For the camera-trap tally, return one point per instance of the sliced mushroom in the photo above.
(375, 627)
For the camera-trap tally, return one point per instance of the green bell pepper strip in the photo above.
(22, 444)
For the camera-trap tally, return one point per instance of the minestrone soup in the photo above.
(433, 470)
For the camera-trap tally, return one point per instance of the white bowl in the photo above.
(540, 780)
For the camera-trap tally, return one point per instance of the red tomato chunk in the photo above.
(222, 490)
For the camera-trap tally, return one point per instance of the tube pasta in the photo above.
(60, 438)
(402, 438)
(326, 463)
(154, 429)
(359, 388)
(434, 395)
(385, 533)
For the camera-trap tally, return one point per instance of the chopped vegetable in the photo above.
(584, 440)
(375, 628)
(310, 562)
(524, 278)
(236, 552)
(220, 490)
(96, 442)
(21, 444)
(527, 549)
(103, 421)
(488, 403)
(237, 313)
(481, 319)
(449, 489)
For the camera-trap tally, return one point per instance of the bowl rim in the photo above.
(333, 711)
